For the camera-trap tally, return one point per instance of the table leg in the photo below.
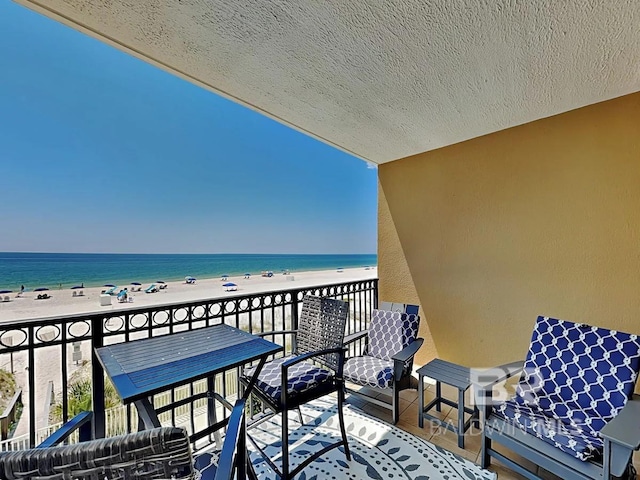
(420, 401)
(461, 418)
(147, 416)
(438, 396)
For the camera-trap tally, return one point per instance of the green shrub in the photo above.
(7, 388)
(79, 397)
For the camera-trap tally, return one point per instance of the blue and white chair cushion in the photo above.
(576, 378)
(389, 333)
(370, 371)
(301, 377)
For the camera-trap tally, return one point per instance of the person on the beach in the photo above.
(22, 289)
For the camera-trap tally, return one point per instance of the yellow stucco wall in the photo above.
(540, 219)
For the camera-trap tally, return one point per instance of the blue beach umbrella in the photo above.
(40, 289)
(109, 285)
(5, 291)
(230, 286)
(137, 283)
(76, 287)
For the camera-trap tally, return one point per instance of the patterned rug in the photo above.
(378, 450)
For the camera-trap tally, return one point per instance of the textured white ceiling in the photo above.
(383, 79)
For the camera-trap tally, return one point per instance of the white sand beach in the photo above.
(62, 302)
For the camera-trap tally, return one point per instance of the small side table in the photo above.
(451, 374)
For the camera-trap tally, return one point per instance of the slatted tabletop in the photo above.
(141, 368)
(447, 372)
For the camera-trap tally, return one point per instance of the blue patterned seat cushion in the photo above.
(577, 376)
(370, 371)
(568, 438)
(389, 333)
(302, 377)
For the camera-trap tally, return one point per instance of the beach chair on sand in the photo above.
(6, 298)
(110, 291)
(151, 288)
(189, 280)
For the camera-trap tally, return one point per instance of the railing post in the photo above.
(97, 379)
(294, 312)
(375, 293)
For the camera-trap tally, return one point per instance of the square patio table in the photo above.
(145, 367)
(451, 374)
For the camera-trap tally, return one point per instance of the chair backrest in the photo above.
(579, 374)
(151, 454)
(399, 307)
(321, 326)
(390, 332)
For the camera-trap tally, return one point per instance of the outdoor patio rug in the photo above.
(378, 450)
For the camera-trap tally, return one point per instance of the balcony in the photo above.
(49, 355)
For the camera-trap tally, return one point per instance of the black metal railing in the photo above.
(61, 349)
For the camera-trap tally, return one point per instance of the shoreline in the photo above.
(62, 302)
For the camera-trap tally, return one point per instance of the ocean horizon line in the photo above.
(169, 253)
(64, 270)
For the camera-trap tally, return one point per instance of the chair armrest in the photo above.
(487, 378)
(233, 443)
(624, 429)
(306, 356)
(354, 337)
(409, 351)
(81, 422)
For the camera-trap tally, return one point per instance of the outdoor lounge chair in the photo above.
(313, 370)
(151, 288)
(110, 291)
(388, 358)
(159, 453)
(573, 412)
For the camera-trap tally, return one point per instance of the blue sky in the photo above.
(101, 152)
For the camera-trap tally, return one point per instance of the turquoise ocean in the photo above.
(55, 270)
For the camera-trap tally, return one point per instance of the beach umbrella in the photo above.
(76, 287)
(230, 286)
(40, 289)
(136, 283)
(5, 291)
(109, 285)
(160, 281)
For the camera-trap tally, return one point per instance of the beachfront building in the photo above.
(505, 136)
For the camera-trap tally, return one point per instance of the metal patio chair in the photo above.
(314, 369)
(158, 453)
(388, 359)
(573, 412)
